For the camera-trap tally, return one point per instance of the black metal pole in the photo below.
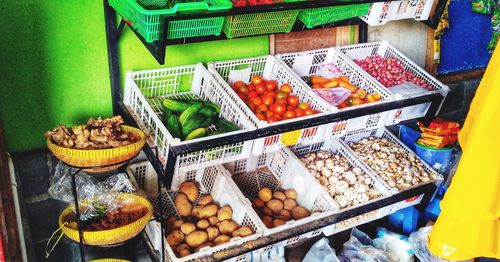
(112, 45)
(77, 210)
(363, 32)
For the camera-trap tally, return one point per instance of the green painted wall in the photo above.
(54, 69)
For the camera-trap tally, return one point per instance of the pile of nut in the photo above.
(346, 184)
(393, 164)
(363, 217)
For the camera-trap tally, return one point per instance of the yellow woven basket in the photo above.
(100, 157)
(112, 236)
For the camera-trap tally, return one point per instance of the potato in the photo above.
(291, 194)
(221, 239)
(178, 224)
(187, 228)
(299, 212)
(205, 200)
(289, 204)
(212, 232)
(279, 195)
(213, 220)
(197, 238)
(268, 221)
(169, 223)
(243, 232)
(267, 211)
(202, 224)
(182, 246)
(183, 205)
(208, 244)
(183, 250)
(195, 213)
(175, 238)
(278, 222)
(265, 194)
(190, 189)
(285, 215)
(258, 203)
(227, 227)
(226, 212)
(208, 211)
(275, 205)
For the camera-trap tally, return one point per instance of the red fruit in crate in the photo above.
(243, 90)
(309, 112)
(242, 96)
(290, 108)
(257, 101)
(267, 100)
(270, 93)
(289, 114)
(303, 106)
(286, 88)
(292, 100)
(280, 101)
(273, 119)
(238, 84)
(261, 109)
(251, 87)
(277, 108)
(260, 89)
(281, 94)
(250, 105)
(271, 85)
(252, 94)
(260, 116)
(299, 112)
(257, 80)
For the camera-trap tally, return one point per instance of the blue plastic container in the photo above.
(408, 136)
(439, 159)
(405, 219)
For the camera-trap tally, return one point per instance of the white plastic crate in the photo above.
(211, 180)
(287, 173)
(356, 221)
(228, 72)
(384, 49)
(144, 93)
(306, 64)
(384, 133)
(406, 203)
(381, 13)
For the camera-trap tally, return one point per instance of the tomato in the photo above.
(277, 108)
(260, 89)
(243, 90)
(286, 88)
(272, 119)
(257, 80)
(292, 100)
(309, 112)
(281, 94)
(257, 101)
(290, 108)
(261, 109)
(252, 94)
(270, 93)
(260, 116)
(300, 112)
(242, 96)
(303, 106)
(267, 100)
(271, 85)
(238, 84)
(289, 114)
(251, 87)
(280, 101)
(269, 113)
(250, 105)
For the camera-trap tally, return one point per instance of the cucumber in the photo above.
(174, 126)
(214, 106)
(208, 121)
(177, 105)
(197, 133)
(189, 113)
(225, 126)
(193, 123)
(207, 111)
(214, 133)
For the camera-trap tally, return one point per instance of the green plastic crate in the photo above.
(260, 23)
(319, 16)
(149, 22)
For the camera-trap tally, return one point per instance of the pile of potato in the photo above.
(201, 225)
(278, 207)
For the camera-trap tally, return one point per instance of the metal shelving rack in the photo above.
(166, 172)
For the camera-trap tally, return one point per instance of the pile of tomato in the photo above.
(271, 102)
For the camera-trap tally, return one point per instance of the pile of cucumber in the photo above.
(188, 119)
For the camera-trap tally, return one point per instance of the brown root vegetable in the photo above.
(265, 194)
(299, 212)
(178, 224)
(268, 221)
(212, 232)
(227, 227)
(169, 223)
(289, 204)
(279, 195)
(202, 224)
(278, 222)
(175, 238)
(183, 250)
(213, 220)
(258, 203)
(275, 205)
(190, 189)
(208, 211)
(183, 205)
(221, 239)
(291, 194)
(195, 213)
(197, 238)
(226, 212)
(285, 214)
(208, 244)
(267, 211)
(187, 228)
(205, 200)
(243, 232)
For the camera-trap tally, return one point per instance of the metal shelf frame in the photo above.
(166, 172)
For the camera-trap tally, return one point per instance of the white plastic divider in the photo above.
(386, 134)
(144, 93)
(211, 180)
(381, 13)
(306, 64)
(228, 72)
(384, 49)
(282, 171)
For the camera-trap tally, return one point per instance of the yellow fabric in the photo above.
(469, 223)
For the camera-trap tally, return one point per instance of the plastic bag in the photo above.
(329, 71)
(321, 251)
(420, 243)
(395, 244)
(360, 248)
(334, 96)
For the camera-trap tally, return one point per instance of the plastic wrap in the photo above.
(329, 71)
(321, 251)
(420, 242)
(360, 247)
(334, 96)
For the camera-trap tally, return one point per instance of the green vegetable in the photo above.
(197, 133)
(166, 113)
(207, 111)
(214, 106)
(225, 126)
(193, 123)
(189, 113)
(174, 126)
(178, 105)
(214, 133)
